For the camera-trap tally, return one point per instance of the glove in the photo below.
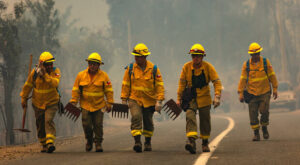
(178, 103)
(24, 103)
(124, 101)
(158, 106)
(275, 95)
(61, 109)
(241, 98)
(108, 107)
(40, 69)
(74, 103)
(216, 101)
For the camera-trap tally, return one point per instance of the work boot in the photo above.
(50, 147)
(138, 144)
(147, 144)
(89, 145)
(191, 145)
(44, 148)
(99, 147)
(205, 147)
(256, 136)
(265, 132)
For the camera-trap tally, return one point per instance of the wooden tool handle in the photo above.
(24, 116)
(25, 108)
(30, 63)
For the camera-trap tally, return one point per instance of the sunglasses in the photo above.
(197, 55)
(48, 63)
(93, 63)
(254, 54)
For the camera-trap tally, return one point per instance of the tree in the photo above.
(31, 30)
(225, 28)
(39, 28)
(10, 50)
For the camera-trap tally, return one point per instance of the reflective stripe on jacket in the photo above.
(44, 89)
(203, 94)
(142, 85)
(258, 81)
(93, 90)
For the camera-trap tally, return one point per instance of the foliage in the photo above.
(225, 28)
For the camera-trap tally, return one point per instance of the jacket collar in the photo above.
(192, 67)
(149, 66)
(86, 71)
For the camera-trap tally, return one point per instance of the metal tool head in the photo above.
(22, 130)
(72, 111)
(119, 110)
(172, 109)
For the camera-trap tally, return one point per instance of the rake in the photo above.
(172, 109)
(72, 112)
(119, 110)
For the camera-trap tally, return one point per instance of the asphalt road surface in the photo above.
(168, 143)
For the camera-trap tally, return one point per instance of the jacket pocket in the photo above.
(99, 83)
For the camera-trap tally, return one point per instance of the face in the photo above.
(48, 66)
(93, 66)
(140, 60)
(197, 58)
(255, 56)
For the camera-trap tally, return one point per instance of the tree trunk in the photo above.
(8, 108)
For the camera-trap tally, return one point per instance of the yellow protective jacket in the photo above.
(203, 95)
(93, 90)
(44, 89)
(142, 88)
(258, 81)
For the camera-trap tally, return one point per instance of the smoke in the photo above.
(169, 28)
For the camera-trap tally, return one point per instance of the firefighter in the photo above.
(196, 75)
(254, 88)
(143, 91)
(43, 81)
(89, 89)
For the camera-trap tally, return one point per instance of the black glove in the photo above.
(61, 109)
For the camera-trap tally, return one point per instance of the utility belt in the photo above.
(248, 96)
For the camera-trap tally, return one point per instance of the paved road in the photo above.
(283, 147)
(169, 140)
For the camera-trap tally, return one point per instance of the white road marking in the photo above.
(203, 158)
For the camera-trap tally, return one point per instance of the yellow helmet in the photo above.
(197, 49)
(141, 50)
(95, 57)
(46, 57)
(254, 48)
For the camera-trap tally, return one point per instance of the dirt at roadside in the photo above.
(20, 152)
